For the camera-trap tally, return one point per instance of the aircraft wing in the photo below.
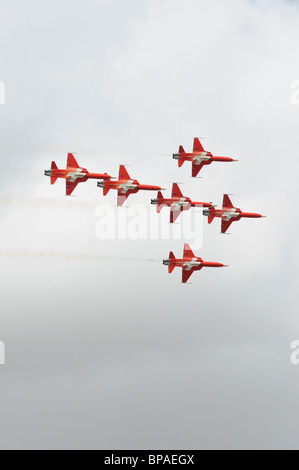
(187, 273)
(70, 187)
(196, 167)
(227, 203)
(122, 197)
(176, 192)
(197, 147)
(71, 161)
(225, 224)
(123, 174)
(174, 214)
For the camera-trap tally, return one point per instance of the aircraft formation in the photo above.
(177, 203)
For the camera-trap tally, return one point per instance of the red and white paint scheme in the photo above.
(189, 263)
(228, 214)
(125, 186)
(73, 174)
(177, 203)
(199, 158)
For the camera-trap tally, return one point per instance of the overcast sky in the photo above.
(104, 349)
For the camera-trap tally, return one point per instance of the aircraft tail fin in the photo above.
(181, 152)
(106, 191)
(160, 200)
(210, 219)
(171, 258)
(53, 178)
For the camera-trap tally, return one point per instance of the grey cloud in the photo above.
(105, 352)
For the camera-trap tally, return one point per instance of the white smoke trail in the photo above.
(37, 202)
(19, 254)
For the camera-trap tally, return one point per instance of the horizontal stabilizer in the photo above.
(210, 219)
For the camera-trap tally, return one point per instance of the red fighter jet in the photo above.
(199, 158)
(178, 203)
(228, 214)
(125, 186)
(190, 263)
(73, 174)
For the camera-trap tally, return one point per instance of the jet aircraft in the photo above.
(228, 214)
(125, 186)
(177, 203)
(199, 158)
(189, 263)
(73, 174)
